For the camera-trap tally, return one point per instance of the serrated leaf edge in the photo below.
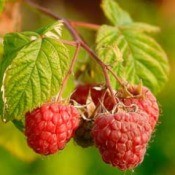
(150, 38)
(3, 94)
(120, 9)
(54, 31)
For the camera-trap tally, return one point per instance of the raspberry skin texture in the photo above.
(122, 138)
(50, 127)
(83, 135)
(147, 103)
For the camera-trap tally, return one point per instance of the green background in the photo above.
(17, 159)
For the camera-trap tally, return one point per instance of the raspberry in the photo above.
(81, 93)
(97, 95)
(83, 134)
(122, 138)
(147, 103)
(107, 101)
(50, 127)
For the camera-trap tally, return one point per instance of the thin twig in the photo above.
(69, 72)
(70, 43)
(53, 15)
(85, 25)
(120, 81)
(103, 66)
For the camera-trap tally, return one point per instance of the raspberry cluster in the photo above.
(121, 131)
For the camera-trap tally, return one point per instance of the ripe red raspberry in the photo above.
(102, 97)
(50, 127)
(82, 92)
(122, 138)
(147, 102)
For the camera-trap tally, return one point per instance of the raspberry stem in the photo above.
(78, 39)
(70, 43)
(69, 72)
(85, 25)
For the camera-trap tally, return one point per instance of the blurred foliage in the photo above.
(1, 5)
(160, 158)
(13, 140)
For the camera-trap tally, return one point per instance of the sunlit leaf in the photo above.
(32, 70)
(115, 13)
(34, 76)
(12, 44)
(52, 31)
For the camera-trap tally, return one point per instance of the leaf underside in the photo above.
(143, 58)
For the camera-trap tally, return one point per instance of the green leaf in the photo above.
(143, 58)
(115, 14)
(34, 76)
(141, 27)
(108, 49)
(51, 30)
(2, 5)
(13, 42)
(19, 124)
